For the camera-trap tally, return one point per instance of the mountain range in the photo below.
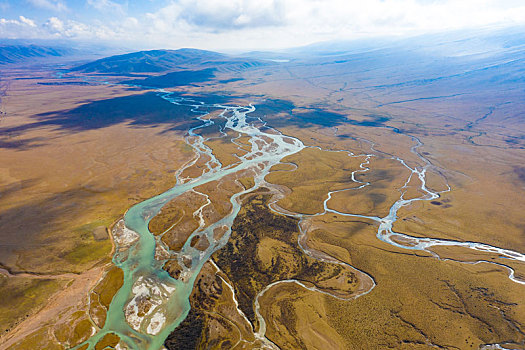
(158, 61)
(21, 53)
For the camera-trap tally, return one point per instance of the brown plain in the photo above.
(418, 301)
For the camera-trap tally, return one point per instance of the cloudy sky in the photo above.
(244, 24)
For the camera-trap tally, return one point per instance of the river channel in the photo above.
(137, 250)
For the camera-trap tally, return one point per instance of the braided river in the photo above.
(141, 255)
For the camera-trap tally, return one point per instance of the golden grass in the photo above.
(298, 319)
(37, 340)
(247, 182)
(75, 331)
(103, 293)
(64, 184)
(263, 249)
(220, 192)
(225, 151)
(476, 211)
(198, 168)
(177, 218)
(385, 176)
(21, 297)
(109, 340)
(283, 167)
(317, 173)
(58, 192)
(418, 299)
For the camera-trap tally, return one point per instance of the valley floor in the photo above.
(281, 209)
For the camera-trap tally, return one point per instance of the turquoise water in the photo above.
(143, 273)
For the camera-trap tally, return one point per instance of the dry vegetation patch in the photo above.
(418, 299)
(317, 173)
(72, 165)
(263, 249)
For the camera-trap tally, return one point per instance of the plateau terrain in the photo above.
(365, 194)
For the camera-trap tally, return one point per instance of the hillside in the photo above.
(21, 53)
(158, 61)
(480, 74)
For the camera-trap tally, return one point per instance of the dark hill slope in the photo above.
(158, 61)
(22, 53)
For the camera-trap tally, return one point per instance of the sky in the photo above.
(245, 24)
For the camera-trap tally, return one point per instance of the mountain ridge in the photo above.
(16, 53)
(162, 61)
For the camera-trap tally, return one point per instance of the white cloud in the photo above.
(350, 18)
(54, 25)
(4, 21)
(280, 23)
(21, 22)
(53, 5)
(249, 24)
(224, 15)
(27, 21)
(18, 28)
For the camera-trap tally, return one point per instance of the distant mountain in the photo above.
(22, 53)
(475, 76)
(461, 43)
(158, 61)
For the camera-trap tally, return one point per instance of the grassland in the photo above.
(263, 249)
(214, 321)
(419, 301)
(28, 294)
(67, 171)
(63, 176)
(317, 172)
